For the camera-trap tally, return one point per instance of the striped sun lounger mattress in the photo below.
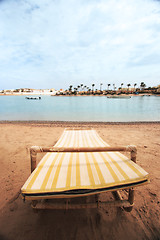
(69, 174)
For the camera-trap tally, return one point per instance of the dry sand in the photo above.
(17, 219)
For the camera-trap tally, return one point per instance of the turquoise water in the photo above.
(83, 108)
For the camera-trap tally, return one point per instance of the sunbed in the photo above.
(82, 164)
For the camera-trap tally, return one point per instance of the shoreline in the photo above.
(83, 123)
(82, 95)
(85, 95)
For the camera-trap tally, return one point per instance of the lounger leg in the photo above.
(118, 196)
(33, 155)
(130, 199)
(131, 190)
(33, 204)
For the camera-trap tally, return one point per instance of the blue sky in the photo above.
(57, 43)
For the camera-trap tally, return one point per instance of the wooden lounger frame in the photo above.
(126, 204)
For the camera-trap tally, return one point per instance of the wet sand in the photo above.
(17, 219)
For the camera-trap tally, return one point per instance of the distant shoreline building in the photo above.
(28, 91)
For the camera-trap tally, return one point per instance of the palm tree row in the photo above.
(128, 85)
(84, 88)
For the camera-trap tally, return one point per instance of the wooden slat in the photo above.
(47, 205)
(81, 149)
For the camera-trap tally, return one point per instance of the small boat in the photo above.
(33, 98)
(119, 96)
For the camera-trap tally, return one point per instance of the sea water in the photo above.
(80, 108)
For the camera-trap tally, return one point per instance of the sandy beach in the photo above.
(17, 219)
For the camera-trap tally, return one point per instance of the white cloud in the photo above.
(57, 43)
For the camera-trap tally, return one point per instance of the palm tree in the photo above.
(122, 84)
(70, 88)
(135, 86)
(78, 87)
(93, 87)
(75, 91)
(84, 87)
(143, 85)
(128, 85)
(81, 86)
(108, 85)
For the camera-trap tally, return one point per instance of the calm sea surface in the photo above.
(83, 108)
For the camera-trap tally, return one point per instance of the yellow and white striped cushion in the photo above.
(82, 173)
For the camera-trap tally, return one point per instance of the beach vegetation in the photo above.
(93, 88)
(81, 87)
(101, 84)
(70, 88)
(120, 88)
(143, 85)
(128, 85)
(16, 90)
(135, 85)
